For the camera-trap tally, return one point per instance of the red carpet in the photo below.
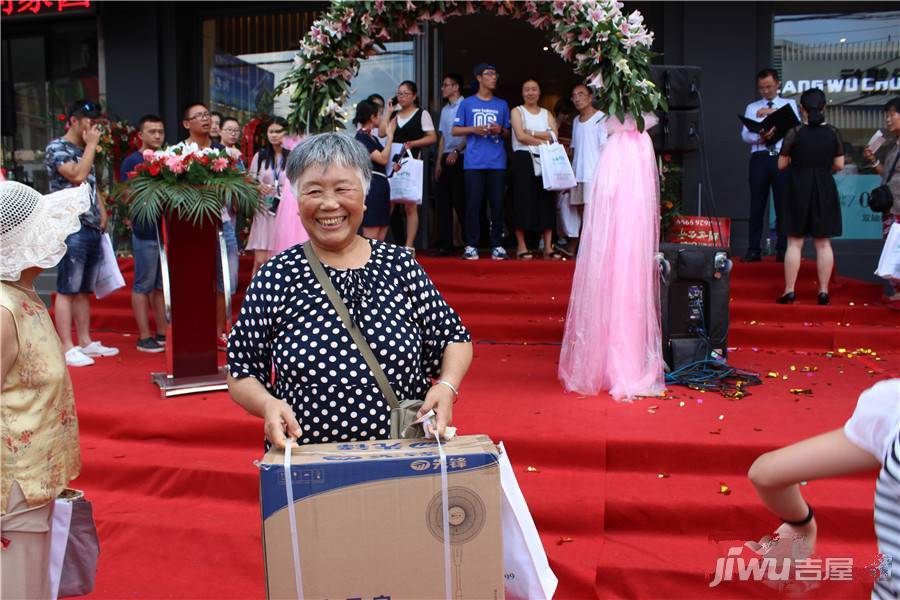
(175, 490)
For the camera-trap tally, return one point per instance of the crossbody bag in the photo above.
(403, 412)
(880, 200)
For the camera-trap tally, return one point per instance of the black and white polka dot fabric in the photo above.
(288, 326)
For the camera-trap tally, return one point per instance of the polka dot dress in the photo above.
(288, 325)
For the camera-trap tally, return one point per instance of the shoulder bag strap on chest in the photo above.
(357, 335)
(893, 167)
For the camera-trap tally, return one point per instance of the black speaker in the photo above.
(677, 131)
(678, 84)
(694, 288)
(679, 125)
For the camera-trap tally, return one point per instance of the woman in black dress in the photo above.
(813, 152)
(292, 362)
(378, 201)
(415, 130)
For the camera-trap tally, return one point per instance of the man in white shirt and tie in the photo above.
(764, 173)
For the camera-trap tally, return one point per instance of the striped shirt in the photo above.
(875, 428)
(887, 522)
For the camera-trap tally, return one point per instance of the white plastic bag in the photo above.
(556, 170)
(527, 572)
(889, 263)
(109, 277)
(406, 184)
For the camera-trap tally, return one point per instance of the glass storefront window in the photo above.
(50, 70)
(245, 59)
(381, 74)
(855, 59)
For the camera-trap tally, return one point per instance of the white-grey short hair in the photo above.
(325, 149)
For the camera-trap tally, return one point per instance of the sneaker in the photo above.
(499, 253)
(149, 345)
(76, 358)
(161, 339)
(98, 349)
(470, 253)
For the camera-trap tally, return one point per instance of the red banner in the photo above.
(701, 231)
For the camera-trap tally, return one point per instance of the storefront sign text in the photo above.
(36, 7)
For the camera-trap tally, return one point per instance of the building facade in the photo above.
(141, 57)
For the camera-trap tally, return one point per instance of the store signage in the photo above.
(855, 84)
(42, 7)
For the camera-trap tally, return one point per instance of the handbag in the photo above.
(525, 567)
(403, 413)
(109, 277)
(406, 184)
(75, 548)
(889, 263)
(880, 200)
(556, 170)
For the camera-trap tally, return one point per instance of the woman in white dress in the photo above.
(267, 167)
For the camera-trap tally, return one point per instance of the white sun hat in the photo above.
(34, 227)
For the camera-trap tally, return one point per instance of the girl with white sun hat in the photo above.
(38, 407)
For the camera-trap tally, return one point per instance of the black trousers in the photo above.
(764, 175)
(451, 196)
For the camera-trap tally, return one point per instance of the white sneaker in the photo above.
(98, 349)
(76, 358)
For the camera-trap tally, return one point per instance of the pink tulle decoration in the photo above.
(289, 230)
(291, 141)
(612, 337)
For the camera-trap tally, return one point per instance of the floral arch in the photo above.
(610, 49)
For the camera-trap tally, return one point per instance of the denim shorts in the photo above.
(147, 271)
(77, 272)
(231, 247)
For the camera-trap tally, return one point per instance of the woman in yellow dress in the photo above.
(39, 446)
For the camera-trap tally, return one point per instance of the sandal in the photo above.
(553, 255)
(527, 255)
(564, 252)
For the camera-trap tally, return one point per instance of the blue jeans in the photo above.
(231, 247)
(78, 269)
(147, 271)
(481, 184)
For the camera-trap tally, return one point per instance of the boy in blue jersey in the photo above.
(484, 120)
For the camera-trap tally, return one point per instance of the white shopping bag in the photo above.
(556, 170)
(59, 538)
(406, 184)
(109, 278)
(527, 572)
(889, 263)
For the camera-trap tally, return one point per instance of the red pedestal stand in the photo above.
(188, 256)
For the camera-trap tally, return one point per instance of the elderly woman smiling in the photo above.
(323, 390)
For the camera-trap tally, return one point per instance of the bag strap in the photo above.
(350, 325)
(893, 167)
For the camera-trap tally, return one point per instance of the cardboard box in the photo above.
(370, 521)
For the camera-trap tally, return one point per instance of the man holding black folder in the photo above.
(764, 174)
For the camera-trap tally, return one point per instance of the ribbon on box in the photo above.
(445, 501)
(292, 518)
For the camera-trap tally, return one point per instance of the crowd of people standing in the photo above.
(472, 168)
